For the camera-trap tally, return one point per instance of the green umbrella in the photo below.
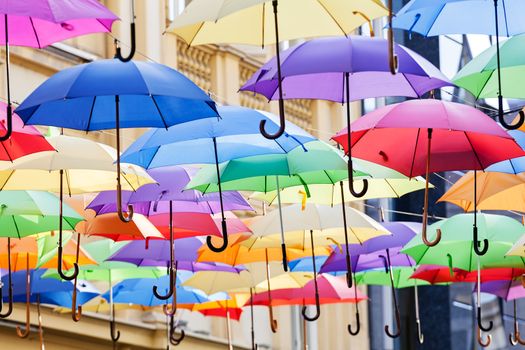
(314, 163)
(25, 213)
(480, 76)
(457, 247)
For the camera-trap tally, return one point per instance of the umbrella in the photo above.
(443, 274)
(456, 249)
(213, 141)
(140, 94)
(462, 136)
(468, 17)
(39, 23)
(315, 70)
(495, 191)
(322, 218)
(514, 165)
(313, 163)
(204, 23)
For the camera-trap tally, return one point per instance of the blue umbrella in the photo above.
(489, 17)
(212, 141)
(109, 94)
(515, 165)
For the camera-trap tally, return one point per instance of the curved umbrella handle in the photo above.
(388, 268)
(420, 335)
(480, 339)
(9, 126)
(170, 290)
(358, 324)
(282, 123)
(76, 311)
(393, 62)
(514, 338)
(317, 310)
(508, 126)
(477, 244)
(425, 239)
(118, 53)
(398, 325)
(351, 181)
(10, 281)
(425, 204)
(59, 266)
(115, 335)
(273, 322)
(19, 332)
(480, 324)
(170, 311)
(120, 212)
(224, 245)
(173, 339)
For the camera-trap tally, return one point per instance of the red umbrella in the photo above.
(418, 137)
(24, 140)
(443, 274)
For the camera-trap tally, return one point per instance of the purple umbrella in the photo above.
(326, 68)
(154, 199)
(39, 23)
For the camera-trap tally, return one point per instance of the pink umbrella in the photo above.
(464, 138)
(39, 23)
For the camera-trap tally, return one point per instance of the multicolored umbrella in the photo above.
(464, 138)
(108, 94)
(205, 23)
(435, 274)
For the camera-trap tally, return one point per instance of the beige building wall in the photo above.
(220, 70)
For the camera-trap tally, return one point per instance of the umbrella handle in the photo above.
(167, 310)
(118, 53)
(480, 339)
(113, 333)
(9, 121)
(317, 310)
(477, 244)
(480, 325)
(224, 245)
(76, 311)
(398, 324)
(10, 307)
(59, 267)
(425, 239)
(120, 212)
(170, 290)
(173, 339)
(420, 335)
(282, 119)
(25, 333)
(388, 268)
(507, 126)
(351, 180)
(514, 338)
(392, 57)
(358, 324)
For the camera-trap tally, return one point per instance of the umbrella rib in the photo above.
(415, 151)
(505, 17)
(91, 114)
(7, 180)
(160, 113)
(16, 227)
(332, 17)
(474, 151)
(6, 152)
(392, 188)
(34, 31)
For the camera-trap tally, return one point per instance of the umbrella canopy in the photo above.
(515, 165)
(441, 17)
(435, 274)
(480, 77)
(463, 138)
(39, 23)
(456, 249)
(495, 191)
(316, 162)
(379, 277)
(150, 95)
(203, 22)
(234, 135)
(24, 140)
(88, 166)
(154, 198)
(507, 290)
(316, 69)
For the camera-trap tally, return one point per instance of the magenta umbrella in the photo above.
(39, 23)
(463, 138)
(344, 69)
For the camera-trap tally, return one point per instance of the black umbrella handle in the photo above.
(393, 61)
(282, 118)
(357, 326)
(9, 110)
(174, 340)
(317, 310)
(480, 323)
(118, 52)
(9, 124)
(224, 245)
(480, 247)
(10, 282)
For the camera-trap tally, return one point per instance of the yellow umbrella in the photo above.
(494, 191)
(257, 22)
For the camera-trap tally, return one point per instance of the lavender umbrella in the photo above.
(326, 68)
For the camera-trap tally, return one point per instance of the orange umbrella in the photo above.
(495, 191)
